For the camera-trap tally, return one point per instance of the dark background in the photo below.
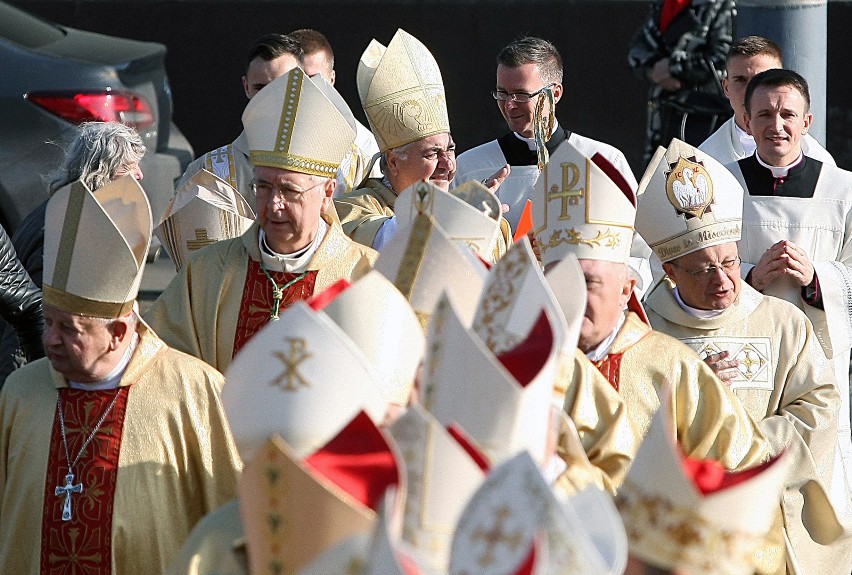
(207, 42)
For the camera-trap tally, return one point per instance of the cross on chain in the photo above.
(67, 490)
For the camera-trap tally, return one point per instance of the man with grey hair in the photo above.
(529, 85)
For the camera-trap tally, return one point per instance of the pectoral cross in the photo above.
(67, 490)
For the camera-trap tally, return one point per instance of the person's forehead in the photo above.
(282, 64)
(753, 64)
(526, 73)
(434, 142)
(280, 175)
(711, 254)
(767, 95)
(59, 315)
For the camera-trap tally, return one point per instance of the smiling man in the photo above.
(402, 92)
(764, 348)
(797, 229)
(231, 289)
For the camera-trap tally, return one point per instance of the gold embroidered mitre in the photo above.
(402, 91)
(583, 206)
(671, 523)
(688, 201)
(202, 212)
(297, 123)
(95, 244)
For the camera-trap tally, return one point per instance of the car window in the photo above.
(26, 30)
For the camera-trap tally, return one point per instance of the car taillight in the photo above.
(108, 106)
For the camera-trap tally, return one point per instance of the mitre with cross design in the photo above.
(468, 214)
(514, 509)
(401, 91)
(205, 210)
(496, 378)
(300, 124)
(424, 263)
(583, 206)
(381, 323)
(301, 378)
(688, 201)
(692, 515)
(293, 509)
(95, 244)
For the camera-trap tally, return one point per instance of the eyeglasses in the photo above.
(519, 97)
(264, 190)
(724, 266)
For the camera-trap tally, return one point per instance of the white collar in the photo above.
(295, 262)
(113, 378)
(602, 349)
(779, 171)
(531, 141)
(695, 312)
(746, 140)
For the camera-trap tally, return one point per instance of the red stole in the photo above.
(257, 299)
(83, 544)
(610, 367)
(670, 10)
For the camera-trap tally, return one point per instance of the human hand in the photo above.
(493, 182)
(724, 368)
(535, 247)
(660, 74)
(782, 259)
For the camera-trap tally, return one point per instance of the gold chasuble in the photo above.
(221, 297)
(711, 423)
(161, 459)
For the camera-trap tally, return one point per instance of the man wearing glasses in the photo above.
(762, 347)
(529, 84)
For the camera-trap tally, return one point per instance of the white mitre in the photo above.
(688, 201)
(205, 210)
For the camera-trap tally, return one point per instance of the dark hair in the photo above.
(751, 46)
(313, 42)
(271, 46)
(778, 78)
(532, 50)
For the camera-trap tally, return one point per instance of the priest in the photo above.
(797, 230)
(763, 347)
(115, 445)
(299, 130)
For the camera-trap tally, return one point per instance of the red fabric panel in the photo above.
(83, 544)
(526, 359)
(359, 461)
(670, 10)
(610, 367)
(324, 298)
(710, 476)
(257, 299)
(463, 439)
(616, 176)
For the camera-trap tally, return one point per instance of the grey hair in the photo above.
(99, 152)
(401, 151)
(532, 50)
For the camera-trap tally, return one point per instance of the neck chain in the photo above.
(69, 486)
(278, 292)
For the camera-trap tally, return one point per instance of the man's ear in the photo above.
(808, 119)
(746, 122)
(119, 329)
(332, 77)
(245, 86)
(725, 87)
(557, 92)
(668, 268)
(328, 193)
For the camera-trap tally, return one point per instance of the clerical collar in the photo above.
(113, 378)
(780, 171)
(530, 142)
(295, 262)
(602, 350)
(746, 140)
(695, 312)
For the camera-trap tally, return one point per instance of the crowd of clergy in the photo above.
(379, 358)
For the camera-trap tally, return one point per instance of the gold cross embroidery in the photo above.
(290, 379)
(496, 536)
(201, 240)
(569, 192)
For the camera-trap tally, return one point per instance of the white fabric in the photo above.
(695, 312)
(724, 145)
(822, 226)
(385, 233)
(746, 140)
(295, 262)
(779, 171)
(602, 349)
